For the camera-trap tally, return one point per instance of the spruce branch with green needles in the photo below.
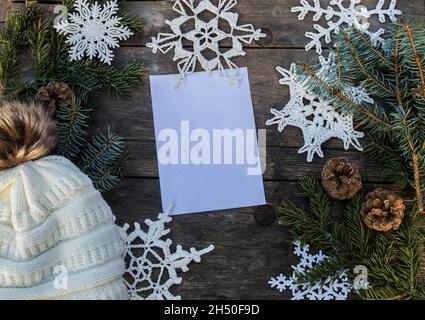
(394, 76)
(392, 260)
(102, 160)
(30, 39)
(72, 123)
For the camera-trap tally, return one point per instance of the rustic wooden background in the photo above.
(246, 254)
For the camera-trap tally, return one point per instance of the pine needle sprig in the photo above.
(102, 158)
(72, 124)
(394, 76)
(395, 169)
(392, 260)
(309, 226)
(14, 35)
(31, 37)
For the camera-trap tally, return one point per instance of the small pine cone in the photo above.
(341, 179)
(55, 94)
(383, 210)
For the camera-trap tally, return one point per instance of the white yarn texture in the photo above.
(205, 35)
(333, 288)
(152, 263)
(93, 30)
(51, 216)
(317, 119)
(339, 14)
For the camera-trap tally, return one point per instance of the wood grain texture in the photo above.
(272, 16)
(3, 5)
(246, 254)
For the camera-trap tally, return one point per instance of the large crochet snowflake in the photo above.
(316, 118)
(201, 44)
(332, 289)
(93, 30)
(337, 16)
(151, 264)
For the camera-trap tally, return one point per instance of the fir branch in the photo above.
(370, 74)
(314, 78)
(14, 35)
(110, 176)
(368, 44)
(356, 234)
(382, 152)
(310, 226)
(102, 158)
(41, 45)
(415, 53)
(131, 21)
(72, 123)
(392, 260)
(49, 50)
(8, 61)
(392, 78)
(397, 68)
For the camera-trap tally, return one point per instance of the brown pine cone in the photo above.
(383, 210)
(55, 94)
(341, 179)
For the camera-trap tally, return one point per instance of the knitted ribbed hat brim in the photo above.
(51, 216)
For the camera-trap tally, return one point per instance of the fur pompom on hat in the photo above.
(27, 132)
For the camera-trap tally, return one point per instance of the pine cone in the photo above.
(55, 94)
(383, 210)
(341, 179)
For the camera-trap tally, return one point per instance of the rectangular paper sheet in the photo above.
(205, 104)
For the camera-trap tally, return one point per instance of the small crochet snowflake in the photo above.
(332, 289)
(192, 47)
(93, 30)
(338, 16)
(316, 118)
(151, 265)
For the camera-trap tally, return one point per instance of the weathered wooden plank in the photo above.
(139, 198)
(147, 202)
(281, 7)
(3, 5)
(282, 163)
(273, 16)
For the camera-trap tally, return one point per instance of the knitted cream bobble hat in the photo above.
(58, 239)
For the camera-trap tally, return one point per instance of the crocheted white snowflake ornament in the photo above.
(331, 289)
(316, 118)
(151, 265)
(93, 30)
(337, 16)
(205, 36)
